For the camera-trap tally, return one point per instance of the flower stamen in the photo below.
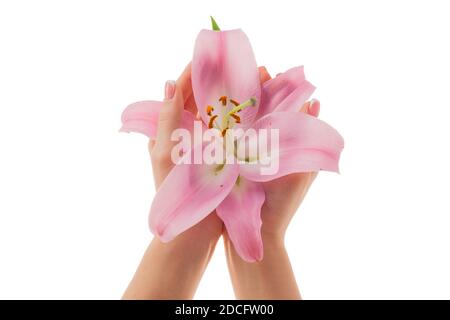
(224, 131)
(223, 99)
(250, 102)
(234, 102)
(209, 110)
(225, 116)
(236, 118)
(211, 121)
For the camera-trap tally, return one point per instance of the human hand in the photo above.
(178, 95)
(273, 277)
(285, 194)
(173, 270)
(280, 206)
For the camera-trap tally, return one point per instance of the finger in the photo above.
(190, 105)
(185, 80)
(314, 108)
(311, 107)
(171, 112)
(263, 74)
(168, 116)
(188, 94)
(151, 144)
(305, 107)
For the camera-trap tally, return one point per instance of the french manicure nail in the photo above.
(169, 89)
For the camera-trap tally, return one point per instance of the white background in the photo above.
(75, 194)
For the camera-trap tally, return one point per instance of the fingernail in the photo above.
(263, 69)
(314, 107)
(169, 89)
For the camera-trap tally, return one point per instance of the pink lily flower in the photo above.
(228, 94)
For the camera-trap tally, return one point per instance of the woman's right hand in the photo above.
(280, 205)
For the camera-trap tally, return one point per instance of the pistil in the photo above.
(238, 107)
(250, 102)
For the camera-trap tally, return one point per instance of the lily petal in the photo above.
(286, 92)
(297, 98)
(142, 117)
(306, 144)
(188, 194)
(224, 65)
(241, 213)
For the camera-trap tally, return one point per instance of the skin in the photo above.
(273, 277)
(173, 270)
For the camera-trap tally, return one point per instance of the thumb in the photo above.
(170, 114)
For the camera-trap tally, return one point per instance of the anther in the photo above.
(211, 121)
(249, 103)
(236, 118)
(209, 110)
(224, 131)
(223, 99)
(234, 102)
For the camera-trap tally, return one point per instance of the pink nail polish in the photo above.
(169, 89)
(314, 107)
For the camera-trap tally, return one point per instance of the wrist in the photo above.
(202, 235)
(271, 239)
(272, 242)
(189, 246)
(272, 232)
